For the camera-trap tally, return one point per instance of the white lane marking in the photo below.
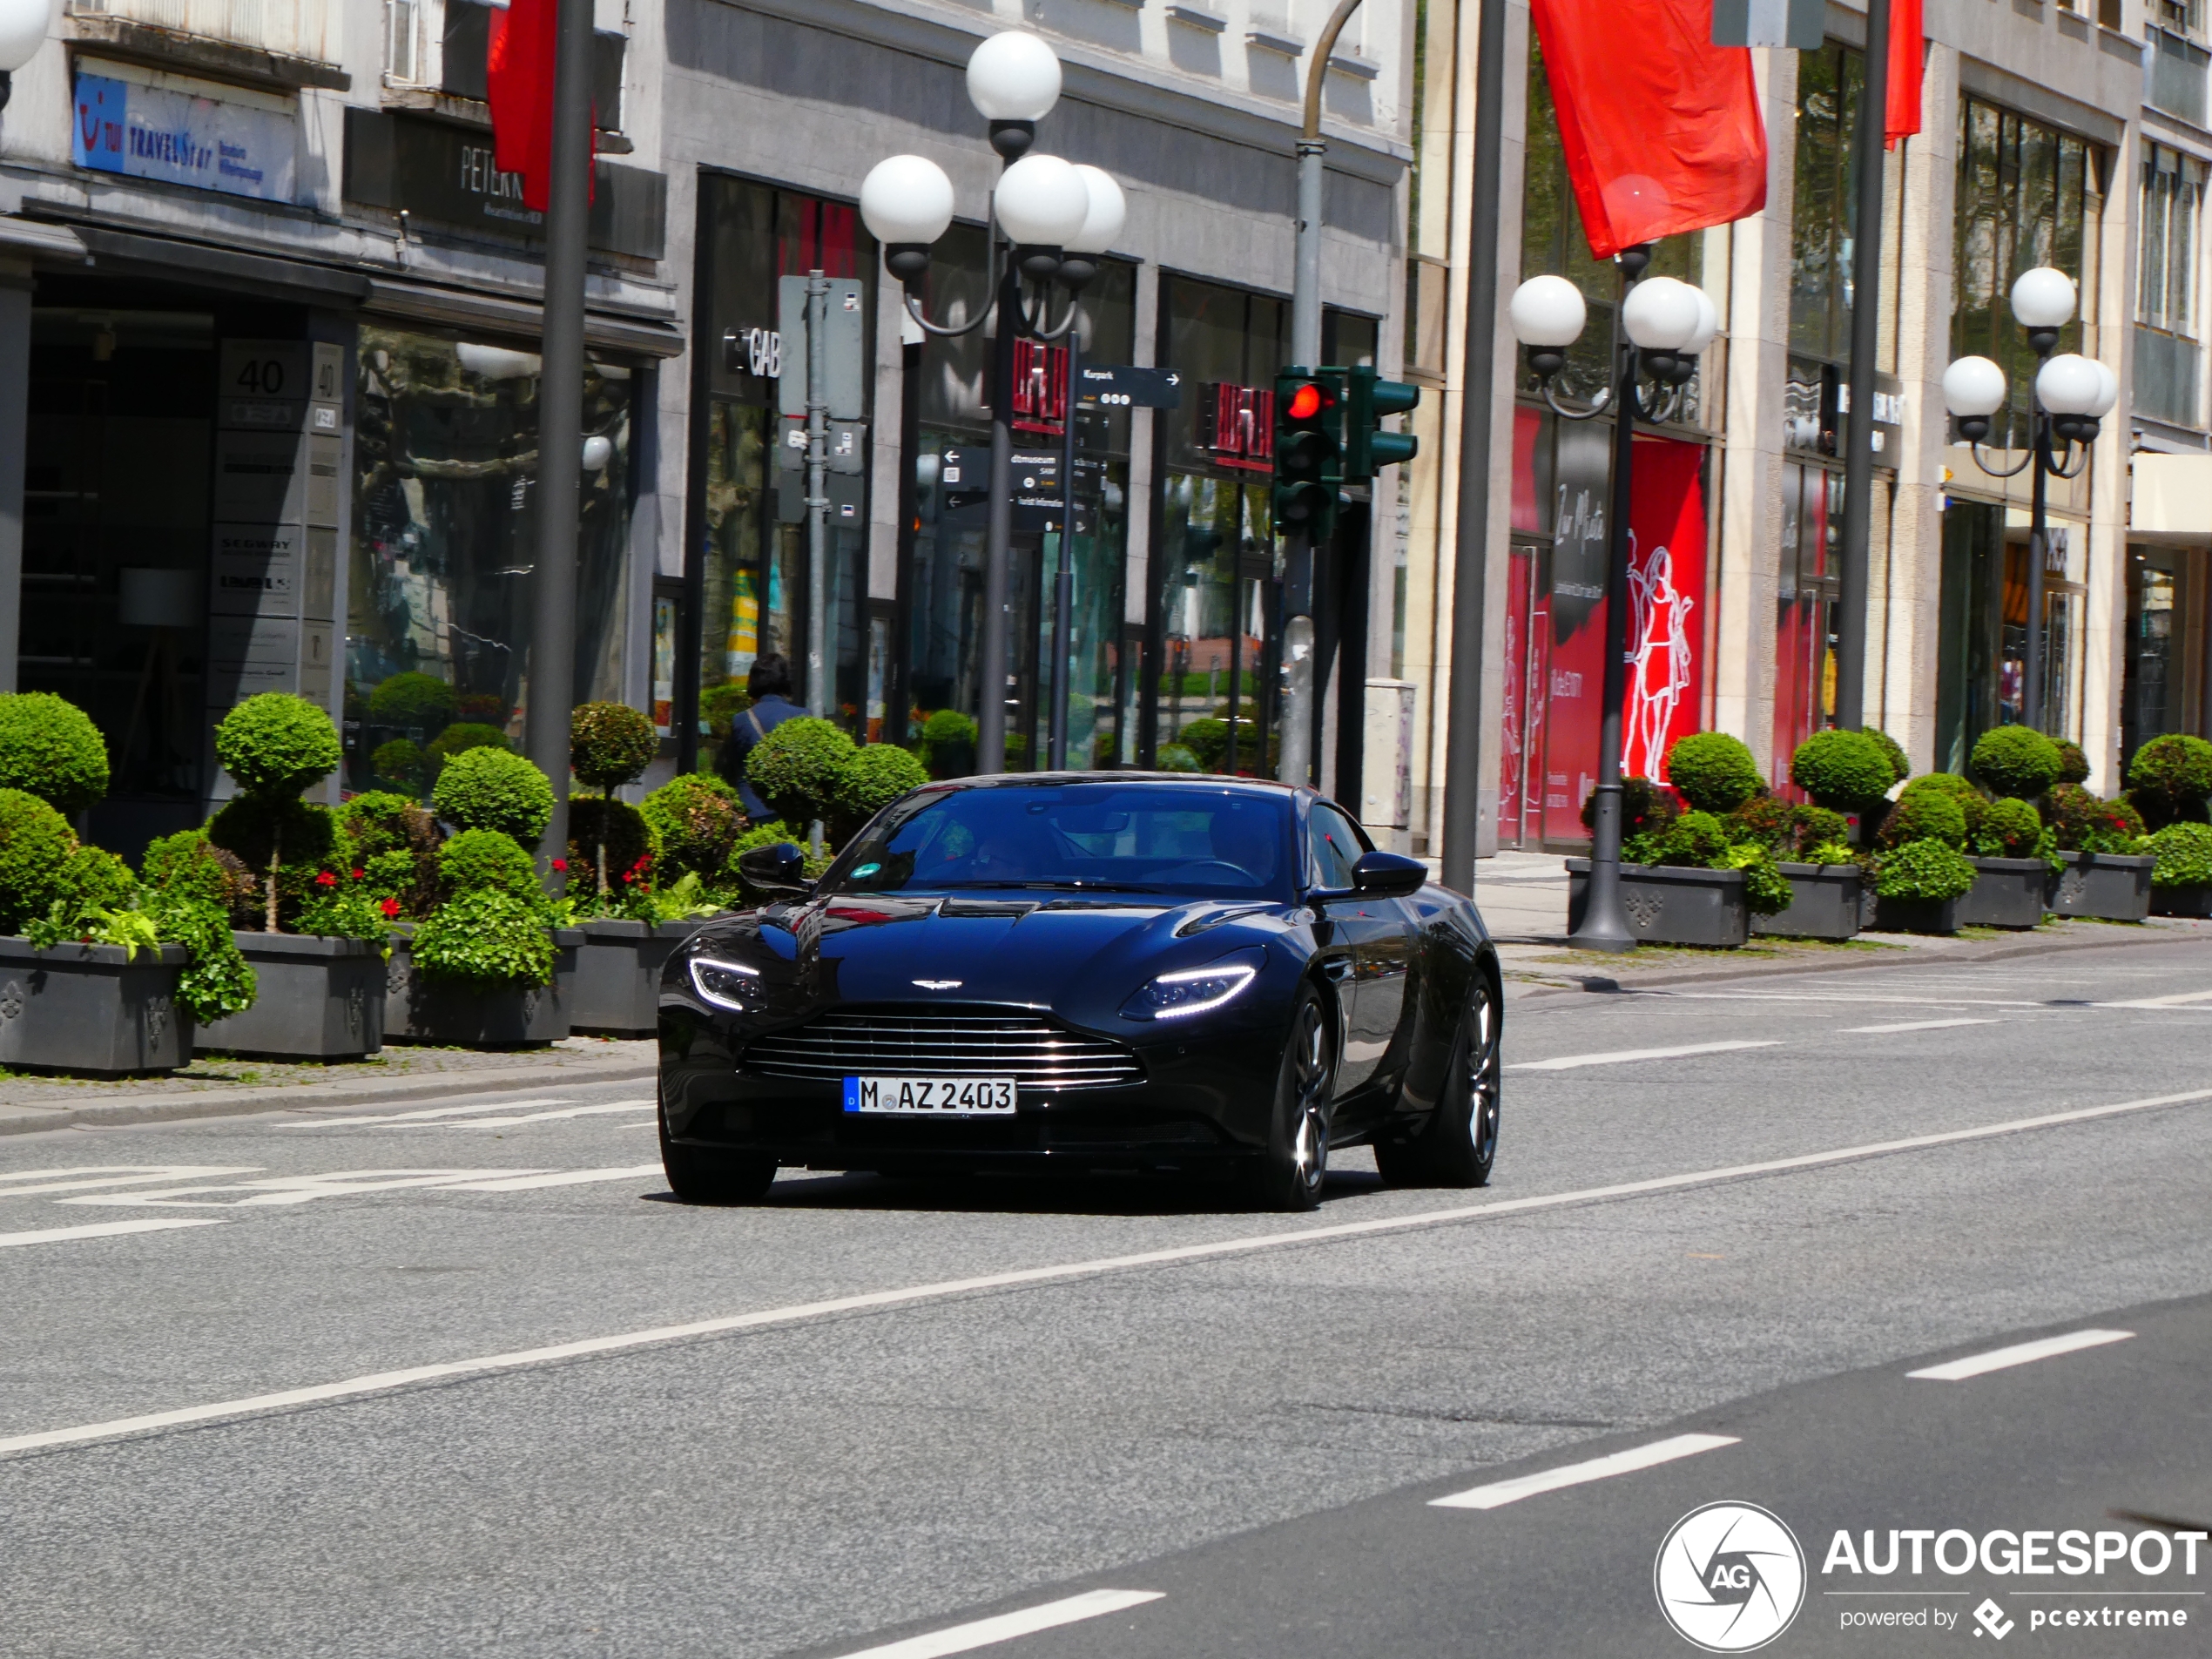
(296, 1189)
(384, 1382)
(1499, 1493)
(428, 1116)
(547, 1118)
(2022, 1354)
(1846, 996)
(116, 1175)
(984, 1633)
(1568, 1063)
(1911, 1025)
(566, 1178)
(105, 1230)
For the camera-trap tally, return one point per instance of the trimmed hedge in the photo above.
(2080, 822)
(1646, 807)
(413, 702)
(1928, 872)
(2169, 779)
(606, 839)
(458, 738)
(2075, 767)
(1713, 772)
(609, 744)
(2184, 855)
(876, 777)
(49, 748)
(35, 844)
(1926, 815)
(2016, 761)
(2010, 828)
(480, 860)
(796, 767)
(1846, 772)
(494, 790)
(486, 938)
(1900, 763)
(694, 821)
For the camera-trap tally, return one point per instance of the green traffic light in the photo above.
(1368, 400)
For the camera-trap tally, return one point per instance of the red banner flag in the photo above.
(1660, 127)
(518, 75)
(1901, 116)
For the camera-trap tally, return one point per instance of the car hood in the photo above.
(1082, 956)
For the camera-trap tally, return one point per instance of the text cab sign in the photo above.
(146, 124)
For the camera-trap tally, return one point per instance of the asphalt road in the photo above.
(472, 1383)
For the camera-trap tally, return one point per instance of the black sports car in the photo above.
(1087, 970)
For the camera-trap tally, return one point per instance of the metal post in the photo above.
(560, 433)
(990, 693)
(1866, 344)
(2039, 535)
(821, 692)
(1063, 598)
(1465, 760)
(1605, 918)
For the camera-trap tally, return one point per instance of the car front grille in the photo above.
(1016, 1044)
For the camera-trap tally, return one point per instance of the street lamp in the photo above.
(1664, 326)
(24, 25)
(1049, 212)
(2072, 393)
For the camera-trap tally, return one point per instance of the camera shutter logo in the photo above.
(1729, 1577)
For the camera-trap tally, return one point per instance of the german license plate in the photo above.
(931, 1096)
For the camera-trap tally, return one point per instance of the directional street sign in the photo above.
(1103, 386)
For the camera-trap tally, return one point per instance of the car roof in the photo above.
(1210, 782)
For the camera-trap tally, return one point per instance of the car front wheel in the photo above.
(706, 1175)
(1297, 1158)
(1458, 1144)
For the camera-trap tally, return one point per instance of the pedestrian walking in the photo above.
(769, 685)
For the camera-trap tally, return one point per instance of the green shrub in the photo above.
(948, 745)
(720, 705)
(1693, 839)
(1787, 829)
(459, 739)
(796, 767)
(1766, 890)
(190, 865)
(1846, 772)
(1173, 756)
(345, 904)
(485, 939)
(413, 702)
(1831, 852)
(948, 726)
(49, 748)
(1713, 772)
(609, 744)
(2016, 761)
(494, 790)
(2010, 828)
(2074, 766)
(1646, 808)
(1928, 872)
(694, 820)
(396, 839)
(288, 838)
(1947, 782)
(1900, 763)
(35, 844)
(277, 744)
(487, 860)
(606, 839)
(2082, 823)
(767, 835)
(2169, 778)
(217, 979)
(401, 764)
(2184, 855)
(95, 879)
(876, 777)
(1925, 815)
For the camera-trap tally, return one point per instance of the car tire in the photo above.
(706, 1175)
(1458, 1144)
(1297, 1159)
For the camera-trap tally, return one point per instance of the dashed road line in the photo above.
(428, 1115)
(2022, 1354)
(1500, 1492)
(563, 1178)
(1568, 1063)
(1005, 1627)
(1911, 1025)
(105, 1230)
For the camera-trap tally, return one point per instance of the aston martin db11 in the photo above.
(1088, 971)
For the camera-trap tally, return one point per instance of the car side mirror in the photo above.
(1388, 875)
(778, 871)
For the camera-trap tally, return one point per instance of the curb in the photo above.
(1606, 985)
(161, 1109)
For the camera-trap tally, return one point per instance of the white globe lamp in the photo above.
(598, 450)
(1042, 202)
(2068, 384)
(24, 25)
(1013, 81)
(2107, 389)
(1108, 211)
(906, 202)
(1708, 324)
(1661, 314)
(1547, 311)
(1973, 389)
(2044, 298)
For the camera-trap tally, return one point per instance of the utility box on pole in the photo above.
(1386, 765)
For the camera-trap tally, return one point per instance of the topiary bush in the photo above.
(274, 745)
(2080, 822)
(1766, 890)
(606, 839)
(190, 865)
(400, 764)
(2010, 828)
(2016, 761)
(1846, 772)
(413, 702)
(876, 777)
(2184, 855)
(286, 842)
(1693, 839)
(395, 840)
(1900, 763)
(948, 745)
(1646, 808)
(1927, 815)
(1924, 871)
(609, 744)
(796, 767)
(49, 748)
(1786, 829)
(694, 821)
(459, 739)
(476, 860)
(492, 789)
(2169, 778)
(2074, 760)
(486, 939)
(1713, 772)
(1947, 782)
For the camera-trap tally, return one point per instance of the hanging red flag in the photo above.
(518, 77)
(1901, 118)
(1660, 127)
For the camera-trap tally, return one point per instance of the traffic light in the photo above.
(1368, 448)
(1309, 450)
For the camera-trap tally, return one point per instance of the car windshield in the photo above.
(1102, 837)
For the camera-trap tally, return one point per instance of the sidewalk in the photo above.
(217, 1086)
(1523, 898)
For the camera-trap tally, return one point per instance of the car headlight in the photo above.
(727, 984)
(1194, 990)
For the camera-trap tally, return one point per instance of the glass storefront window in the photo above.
(1808, 586)
(439, 616)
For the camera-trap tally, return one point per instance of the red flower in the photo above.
(561, 865)
(324, 879)
(630, 876)
(358, 874)
(391, 908)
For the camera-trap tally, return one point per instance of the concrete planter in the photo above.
(1915, 916)
(2181, 901)
(90, 1010)
(314, 999)
(617, 976)
(2008, 893)
(1671, 905)
(2107, 887)
(1823, 903)
(515, 1016)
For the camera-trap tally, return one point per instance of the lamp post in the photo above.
(2070, 395)
(1663, 326)
(1045, 208)
(24, 25)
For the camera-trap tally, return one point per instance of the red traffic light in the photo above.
(1305, 402)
